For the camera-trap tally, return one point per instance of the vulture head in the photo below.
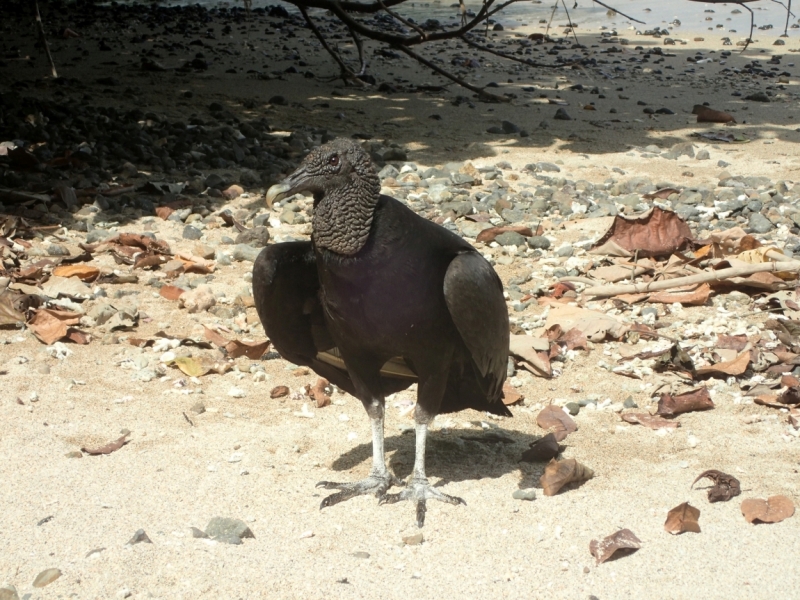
(346, 188)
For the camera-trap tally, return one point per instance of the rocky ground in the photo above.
(132, 191)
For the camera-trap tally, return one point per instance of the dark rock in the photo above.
(758, 97)
(191, 233)
(256, 237)
(139, 537)
(510, 238)
(758, 223)
(509, 127)
(538, 242)
(561, 115)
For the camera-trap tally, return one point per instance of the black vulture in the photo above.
(381, 298)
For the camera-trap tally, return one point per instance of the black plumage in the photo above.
(379, 298)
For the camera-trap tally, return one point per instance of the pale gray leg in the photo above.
(418, 488)
(379, 479)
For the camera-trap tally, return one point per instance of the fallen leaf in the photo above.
(790, 396)
(488, 235)
(190, 366)
(732, 342)
(543, 449)
(170, 292)
(693, 400)
(83, 272)
(725, 486)
(108, 448)
(734, 367)
(8, 314)
(534, 352)
(164, 212)
(279, 391)
(624, 540)
(655, 233)
(557, 474)
(696, 297)
(662, 194)
(772, 510)
(50, 325)
(510, 395)
(215, 337)
(709, 115)
(653, 422)
(318, 393)
(683, 518)
(252, 350)
(553, 417)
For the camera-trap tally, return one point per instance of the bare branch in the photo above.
(406, 22)
(44, 40)
(524, 61)
(346, 73)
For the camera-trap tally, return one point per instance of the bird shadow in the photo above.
(455, 455)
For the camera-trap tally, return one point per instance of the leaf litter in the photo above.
(725, 486)
(683, 518)
(621, 543)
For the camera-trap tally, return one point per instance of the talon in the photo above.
(421, 510)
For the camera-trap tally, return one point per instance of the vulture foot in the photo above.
(374, 484)
(420, 490)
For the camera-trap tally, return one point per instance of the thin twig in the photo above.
(569, 20)
(524, 61)
(752, 25)
(483, 93)
(405, 21)
(345, 71)
(44, 40)
(552, 14)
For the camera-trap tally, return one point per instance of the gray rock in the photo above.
(192, 233)
(573, 408)
(526, 494)
(197, 533)
(678, 150)
(703, 155)
(758, 97)
(8, 592)
(561, 115)
(288, 216)
(650, 311)
(510, 238)
(139, 537)
(46, 577)
(512, 215)
(565, 251)
(547, 167)
(629, 403)
(245, 252)
(722, 164)
(509, 127)
(758, 223)
(538, 242)
(224, 529)
(56, 250)
(388, 171)
(257, 237)
(472, 229)
(98, 235)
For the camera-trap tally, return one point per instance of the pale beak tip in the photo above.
(276, 192)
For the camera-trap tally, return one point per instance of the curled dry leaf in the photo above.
(733, 367)
(214, 336)
(170, 292)
(108, 448)
(50, 325)
(772, 510)
(86, 273)
(279, 391)
(252, 350)
(725, 486)
(557, 474)
(693, 400)
(488, 235)
(9, 315)
(683, 518)
(653, 422)
(696, 297)
(318, 393)
(191, 367)
(553, 417)
(543, 449)
(655, 233)
(624, 540)
(510, 395)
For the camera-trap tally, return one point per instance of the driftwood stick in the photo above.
(606, 291)
(44, 41)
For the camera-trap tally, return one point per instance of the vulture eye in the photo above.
(333, 160)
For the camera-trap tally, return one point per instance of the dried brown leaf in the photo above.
(9, 315)
(318, 393)
(790, 396)
(215, 337)
(683, 518)
(655, 233)
(772, 510)
(624, 540)
(724, 369)
(554, 418)
(252, 350)
(557, 474)
(543, 449)
(653, 422)
(108, 448)
(732, 342)
(86, 273)
(696, 297)
(50, 325)
(170, 292)
(488, 235)
(510, 395)
(725, 486)
(693, 400)
(279, 391)
(710, 115)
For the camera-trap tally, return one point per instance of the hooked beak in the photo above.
(278, 192)
(297, 182)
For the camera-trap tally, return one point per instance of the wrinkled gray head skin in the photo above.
(345, 186)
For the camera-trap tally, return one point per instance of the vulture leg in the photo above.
(418, 488)
(378, 482)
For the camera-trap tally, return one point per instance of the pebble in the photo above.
(524, 494)
(415, 539)
(245, 252)
(573, 408)
(191, 233)
(561, 115)
(139, 537)
(8, 592)
(538, 242)
(703, 155)
(510, 238)
(228, 530)
(257, 237)
(629, 403)
(758, 223)
(46, 577)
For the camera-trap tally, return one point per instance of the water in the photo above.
(692, 16)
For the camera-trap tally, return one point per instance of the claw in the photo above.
(374, 484)
(421, 491)
(421, 510)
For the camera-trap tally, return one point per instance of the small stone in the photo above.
(192, 233)
(139, 537)
(8, 592)
(547, 167)
(235, 392)
(509, 127)
(278, 101)
(225, 529)
(46, 577)
(702, 155)
(232, 192)
(573, 408)
(565, 251)
(510, 238)
(74, 454)
(526, 494)
(758, 223)
(415, 539)
(363, 555)
(198, 533)
(245, 252)
(758, 97)
(124, 593)
(629, 403)
(538, 242)
(198, 408)
(722, 164)
(257, 237)
(561, 115)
